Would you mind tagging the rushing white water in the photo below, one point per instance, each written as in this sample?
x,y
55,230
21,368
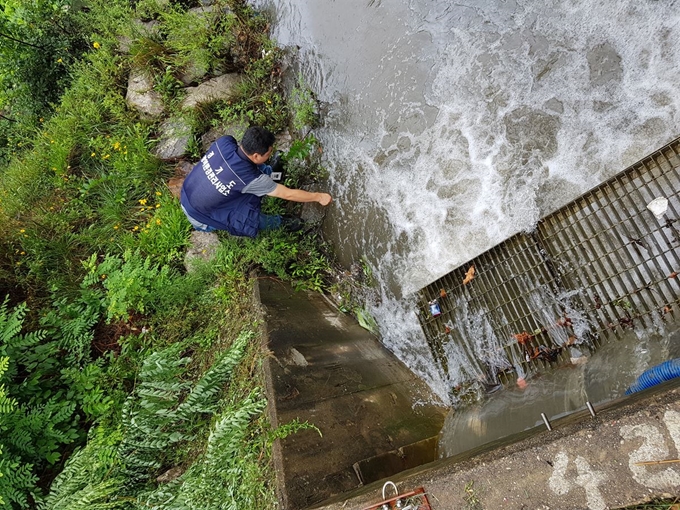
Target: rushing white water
x,y
452,126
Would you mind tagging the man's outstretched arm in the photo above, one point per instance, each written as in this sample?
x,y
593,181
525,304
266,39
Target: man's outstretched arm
x,y
299,195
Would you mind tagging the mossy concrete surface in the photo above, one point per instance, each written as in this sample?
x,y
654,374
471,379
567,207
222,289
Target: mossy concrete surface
x,y
327,370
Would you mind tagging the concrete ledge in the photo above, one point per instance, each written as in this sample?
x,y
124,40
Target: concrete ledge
x,y
583,462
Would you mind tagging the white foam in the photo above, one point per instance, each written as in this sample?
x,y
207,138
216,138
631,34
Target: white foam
x,y
452,127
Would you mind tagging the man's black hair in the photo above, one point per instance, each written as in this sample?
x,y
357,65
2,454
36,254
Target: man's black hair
x,y
257,140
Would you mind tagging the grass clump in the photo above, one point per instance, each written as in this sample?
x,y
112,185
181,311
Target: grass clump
x,y
126,381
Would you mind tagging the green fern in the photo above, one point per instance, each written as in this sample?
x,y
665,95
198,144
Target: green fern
x,y
229,465
160,412
149,414
17,483
72,323
36,421
133,283
86,481
7,404
10,324
202,398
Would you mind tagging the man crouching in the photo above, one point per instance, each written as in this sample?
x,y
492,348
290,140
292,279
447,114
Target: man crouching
x,y
224,190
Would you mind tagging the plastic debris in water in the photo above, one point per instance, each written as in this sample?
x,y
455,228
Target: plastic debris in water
x,y
658,206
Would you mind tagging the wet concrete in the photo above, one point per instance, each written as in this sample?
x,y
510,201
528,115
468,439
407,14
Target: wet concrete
x,y
372,411
327,370
609,461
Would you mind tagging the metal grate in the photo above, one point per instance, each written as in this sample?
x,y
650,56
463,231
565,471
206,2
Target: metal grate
x,y
600,264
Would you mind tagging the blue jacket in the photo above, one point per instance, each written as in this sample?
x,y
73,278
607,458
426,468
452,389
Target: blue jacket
x,y
211,193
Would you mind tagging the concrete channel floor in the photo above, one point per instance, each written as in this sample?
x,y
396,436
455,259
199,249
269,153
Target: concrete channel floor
x,y
327,370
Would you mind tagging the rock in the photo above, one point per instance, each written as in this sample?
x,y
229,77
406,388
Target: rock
x,y
283,141
174,139
175,186
235,129
181,171
141,96
222,87
193,73
141,29
204,10
170,475
203,248
183,168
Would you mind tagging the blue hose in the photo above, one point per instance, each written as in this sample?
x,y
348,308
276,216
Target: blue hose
x,y
663,372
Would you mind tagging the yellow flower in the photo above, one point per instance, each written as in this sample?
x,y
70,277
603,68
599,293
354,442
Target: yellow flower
x,y
158,193
93,154
59,60
23,253
115,227
96,45
106,156
158,222
143,201
103,277
51,141
158,205
136,228
41,119
22,230
116,146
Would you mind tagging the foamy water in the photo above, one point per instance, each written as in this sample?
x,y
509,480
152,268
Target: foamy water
x,y
450,127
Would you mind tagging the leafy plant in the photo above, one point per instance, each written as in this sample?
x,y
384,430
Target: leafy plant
x,y
89,478
197,37
160,413
133,283
302,162
303,106
35,422
226,475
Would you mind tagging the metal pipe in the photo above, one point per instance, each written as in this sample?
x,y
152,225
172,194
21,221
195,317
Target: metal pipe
x,y
545,420
590,408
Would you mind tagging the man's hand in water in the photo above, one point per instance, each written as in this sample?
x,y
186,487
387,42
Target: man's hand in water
x,y
299,195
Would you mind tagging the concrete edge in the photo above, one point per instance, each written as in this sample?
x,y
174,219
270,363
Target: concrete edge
x,y
505,447
277,455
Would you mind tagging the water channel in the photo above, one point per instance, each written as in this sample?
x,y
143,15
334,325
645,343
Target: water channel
x,y
450,126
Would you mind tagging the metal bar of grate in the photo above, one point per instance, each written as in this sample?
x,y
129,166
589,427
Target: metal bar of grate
x,y
599,265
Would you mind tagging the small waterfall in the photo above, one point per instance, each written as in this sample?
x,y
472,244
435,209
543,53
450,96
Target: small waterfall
x,y
450,127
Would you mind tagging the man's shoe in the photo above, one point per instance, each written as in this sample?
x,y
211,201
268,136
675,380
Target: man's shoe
x,y
291,223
